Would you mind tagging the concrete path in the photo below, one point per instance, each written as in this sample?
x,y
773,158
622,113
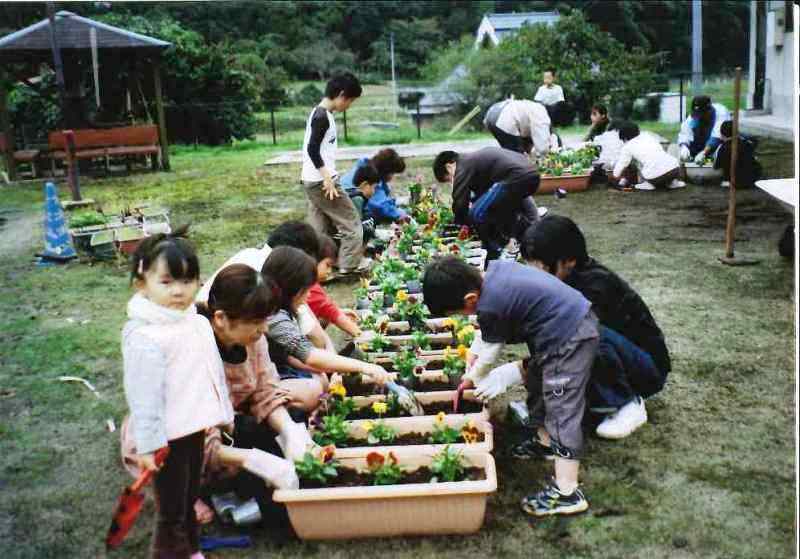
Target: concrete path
x,y
405,150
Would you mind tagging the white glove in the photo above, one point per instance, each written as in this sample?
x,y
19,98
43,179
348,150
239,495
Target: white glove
x,y
700,157
685,153
498,381
277,472
294,440
486,354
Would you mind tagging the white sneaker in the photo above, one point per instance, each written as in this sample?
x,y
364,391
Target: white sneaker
x,y
675,184
542,211
644,186
628,418
725,184
364,266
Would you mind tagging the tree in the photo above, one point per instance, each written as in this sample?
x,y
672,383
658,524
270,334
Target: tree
x,y
413,42
591,65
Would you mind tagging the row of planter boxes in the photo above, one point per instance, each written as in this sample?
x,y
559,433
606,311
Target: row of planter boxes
x,y
411,508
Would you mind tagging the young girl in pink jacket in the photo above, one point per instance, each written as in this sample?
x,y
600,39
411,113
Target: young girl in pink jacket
x,y
174,384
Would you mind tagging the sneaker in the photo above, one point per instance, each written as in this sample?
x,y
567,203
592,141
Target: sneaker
x,y
542,211
532,448
511,252
675,184
363,268
725,184
625,421
644,186
551,500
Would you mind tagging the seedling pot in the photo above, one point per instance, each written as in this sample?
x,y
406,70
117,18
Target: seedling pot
x,y
570,183
418,509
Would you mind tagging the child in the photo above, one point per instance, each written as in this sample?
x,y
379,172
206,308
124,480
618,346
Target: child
x,y
599,118
632,361
700,132
381,206
551,96
519,304
174,385
329,208
364,180
748,169
500,183
295,273
657,168
326,311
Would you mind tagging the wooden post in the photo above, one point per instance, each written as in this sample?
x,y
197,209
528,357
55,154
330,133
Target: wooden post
x,y
162,127
730,229
731,225
73,176
272,118
5,129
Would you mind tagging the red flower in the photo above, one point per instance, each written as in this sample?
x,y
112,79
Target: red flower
x,y
327,454
374,460
463,233
455,249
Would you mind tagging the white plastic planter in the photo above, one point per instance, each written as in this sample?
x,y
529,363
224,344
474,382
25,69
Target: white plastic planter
x,y
428,398
419,509
423,425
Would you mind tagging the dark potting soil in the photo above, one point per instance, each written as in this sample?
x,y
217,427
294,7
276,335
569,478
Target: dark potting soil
x,y
467,406
349,477
407,439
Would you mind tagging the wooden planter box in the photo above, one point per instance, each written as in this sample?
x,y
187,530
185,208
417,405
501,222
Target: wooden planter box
x,y
423,425
402,340
434,324
571,183
425,378
418,509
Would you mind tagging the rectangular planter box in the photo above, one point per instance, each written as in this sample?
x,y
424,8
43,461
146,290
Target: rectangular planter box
x,y
570,183
418,509
402,340
429,398
436,324
422,425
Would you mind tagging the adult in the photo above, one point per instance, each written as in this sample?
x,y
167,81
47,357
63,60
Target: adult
x,y
381,206
700,132
500,183
519,125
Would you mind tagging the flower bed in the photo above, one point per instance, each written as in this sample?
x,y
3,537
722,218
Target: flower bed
x,y
418,507
424,435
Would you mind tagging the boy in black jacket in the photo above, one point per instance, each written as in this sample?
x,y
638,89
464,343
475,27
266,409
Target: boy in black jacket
x,y
748,169
632,360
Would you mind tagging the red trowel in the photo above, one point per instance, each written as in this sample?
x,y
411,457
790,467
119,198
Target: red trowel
x,y
130,503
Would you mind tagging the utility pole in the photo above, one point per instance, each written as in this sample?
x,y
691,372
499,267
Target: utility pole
x,y
59,65
697,46
394,81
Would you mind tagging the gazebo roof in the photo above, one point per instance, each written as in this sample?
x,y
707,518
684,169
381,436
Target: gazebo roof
x,y
74,32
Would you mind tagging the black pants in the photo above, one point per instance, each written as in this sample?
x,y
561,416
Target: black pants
x,y
177,487
509,141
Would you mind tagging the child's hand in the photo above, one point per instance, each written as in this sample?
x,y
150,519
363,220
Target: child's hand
x,y
329,188
351,314
146,462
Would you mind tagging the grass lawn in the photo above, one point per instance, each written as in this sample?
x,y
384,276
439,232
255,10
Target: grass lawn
x,y
711,475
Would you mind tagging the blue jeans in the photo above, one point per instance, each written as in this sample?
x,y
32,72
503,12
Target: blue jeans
x,y
502,212
621,371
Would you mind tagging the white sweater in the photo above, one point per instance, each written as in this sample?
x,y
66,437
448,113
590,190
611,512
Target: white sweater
x,y
174,377
549,95
525,118
645,149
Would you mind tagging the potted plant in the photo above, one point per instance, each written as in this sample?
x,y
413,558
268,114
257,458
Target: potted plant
x,y
406,364
421,500
455,363
411,309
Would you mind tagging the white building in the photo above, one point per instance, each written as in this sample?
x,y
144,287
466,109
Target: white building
x,y
495,27
772,74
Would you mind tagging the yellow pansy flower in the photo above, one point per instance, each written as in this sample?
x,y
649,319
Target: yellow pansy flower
x,y
379,407
440,417
338,390
447,352
368,426
465,331
462,351
401,296
448,323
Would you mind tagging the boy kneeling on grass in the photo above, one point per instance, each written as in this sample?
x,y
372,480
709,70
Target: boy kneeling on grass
x,y
657,168
520,304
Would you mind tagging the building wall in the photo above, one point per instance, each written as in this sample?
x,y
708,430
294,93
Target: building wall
x,y
781,78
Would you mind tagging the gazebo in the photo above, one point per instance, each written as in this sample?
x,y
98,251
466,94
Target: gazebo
x,y
83,43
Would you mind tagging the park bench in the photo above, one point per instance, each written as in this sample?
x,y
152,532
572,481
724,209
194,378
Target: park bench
x,y
127,141
28,156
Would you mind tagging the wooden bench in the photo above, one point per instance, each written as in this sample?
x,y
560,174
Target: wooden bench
x,y
28,156
98,143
